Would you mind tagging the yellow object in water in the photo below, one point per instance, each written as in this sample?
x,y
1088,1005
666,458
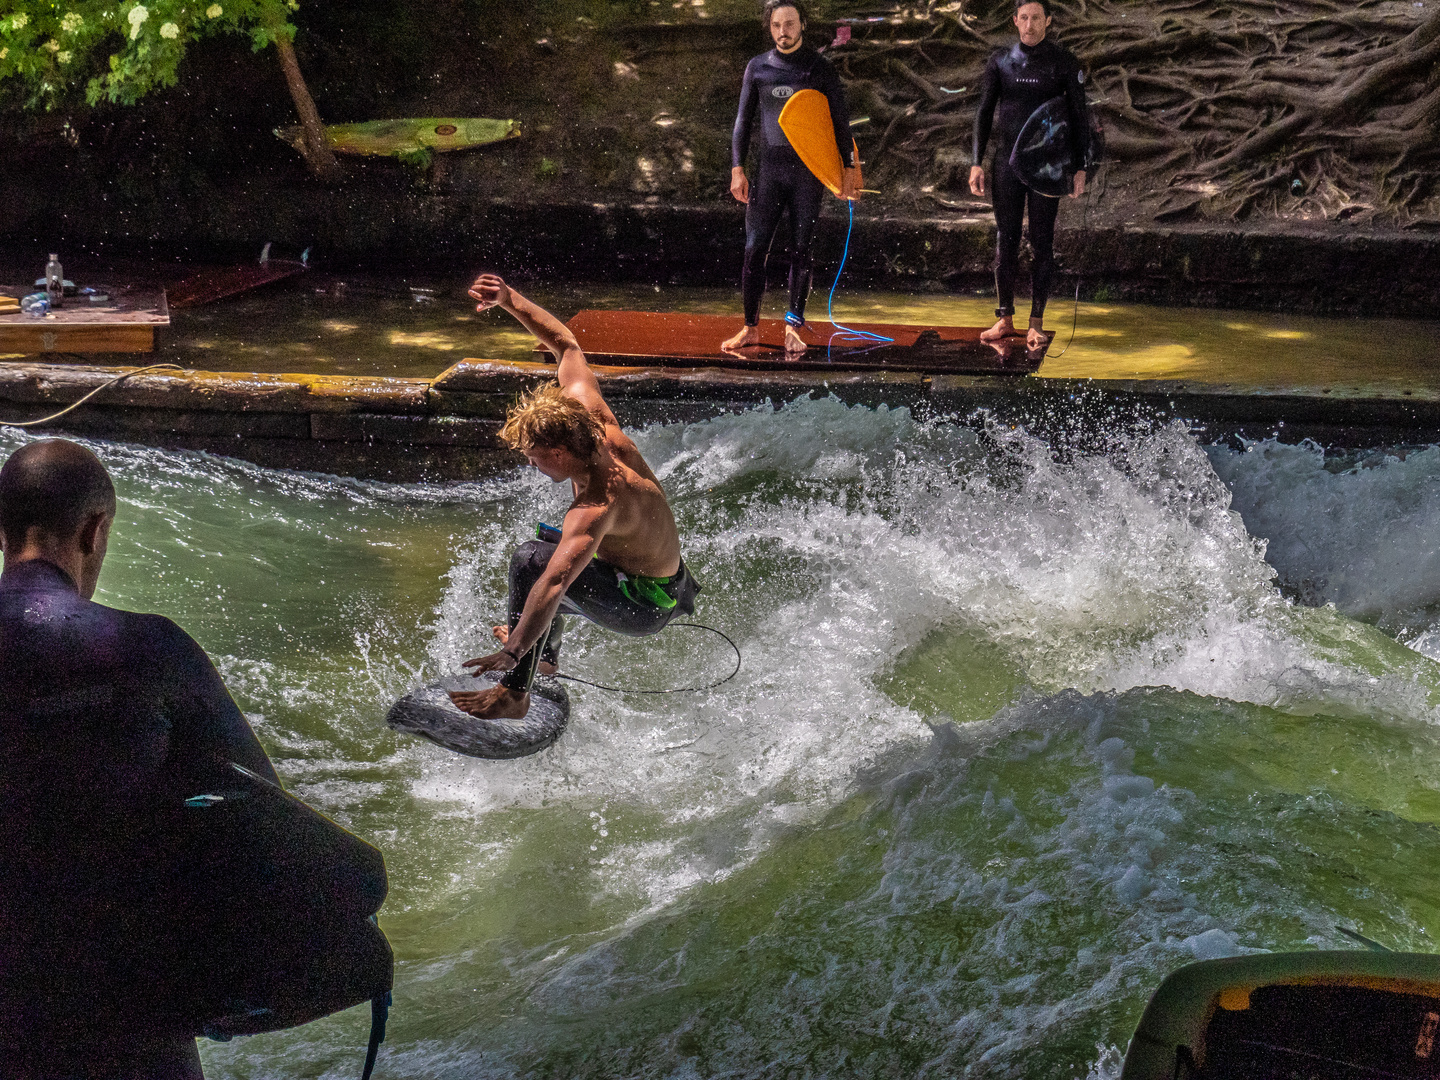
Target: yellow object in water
x,y
806,122
391,138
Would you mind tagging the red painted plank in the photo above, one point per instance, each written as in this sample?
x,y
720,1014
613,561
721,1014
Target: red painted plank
x,y
690,340
217,282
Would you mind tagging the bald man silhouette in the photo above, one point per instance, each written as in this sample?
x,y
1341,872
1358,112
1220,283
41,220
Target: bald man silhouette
x,y
105,717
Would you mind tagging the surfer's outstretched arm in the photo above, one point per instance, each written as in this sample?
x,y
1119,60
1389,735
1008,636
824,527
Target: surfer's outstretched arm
x,y
575,376
583,529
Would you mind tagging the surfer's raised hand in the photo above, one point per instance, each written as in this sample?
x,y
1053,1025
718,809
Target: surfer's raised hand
x,y
977,181
739,184
490,290
1079,185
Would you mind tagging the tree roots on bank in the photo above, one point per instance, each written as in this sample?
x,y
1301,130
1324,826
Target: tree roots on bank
x,y
1217,108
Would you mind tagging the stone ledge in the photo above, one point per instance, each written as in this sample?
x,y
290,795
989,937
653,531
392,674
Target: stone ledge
x,y
446,428
406,430
212,391
488,387
385,462
143,425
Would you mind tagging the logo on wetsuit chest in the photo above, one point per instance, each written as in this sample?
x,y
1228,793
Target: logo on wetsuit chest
x,y
782,92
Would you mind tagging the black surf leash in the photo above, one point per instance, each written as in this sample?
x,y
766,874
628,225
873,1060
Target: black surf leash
x,y
1075,312
1074,319
1372,945
675,690
379,1013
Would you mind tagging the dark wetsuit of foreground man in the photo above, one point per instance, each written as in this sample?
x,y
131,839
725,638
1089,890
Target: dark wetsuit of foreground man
x,y
1016,82
106,719
617,561
783,183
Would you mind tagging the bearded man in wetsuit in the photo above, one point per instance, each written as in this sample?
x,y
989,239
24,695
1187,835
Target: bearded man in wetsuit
x,y
783,182
617,559
1017,81
107,718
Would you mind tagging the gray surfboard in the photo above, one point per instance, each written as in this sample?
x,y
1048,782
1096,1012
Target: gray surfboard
x,y
427,711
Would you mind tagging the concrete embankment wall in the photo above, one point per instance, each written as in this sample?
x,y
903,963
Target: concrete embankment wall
x,y
446,428
1345,273
1359,273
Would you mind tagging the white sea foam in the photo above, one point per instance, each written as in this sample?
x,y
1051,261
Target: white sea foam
x,y
1360,531
832,540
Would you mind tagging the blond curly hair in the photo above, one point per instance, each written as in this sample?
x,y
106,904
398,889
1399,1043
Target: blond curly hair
x,y
548,417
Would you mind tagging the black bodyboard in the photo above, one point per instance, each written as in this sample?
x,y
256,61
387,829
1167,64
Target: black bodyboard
x,y
427,711
271,912
1044,155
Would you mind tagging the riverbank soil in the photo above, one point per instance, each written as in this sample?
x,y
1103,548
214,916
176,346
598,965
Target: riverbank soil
x,y
1255,156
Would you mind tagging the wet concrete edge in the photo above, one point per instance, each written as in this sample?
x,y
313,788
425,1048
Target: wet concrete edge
x,y
407,430
1321,269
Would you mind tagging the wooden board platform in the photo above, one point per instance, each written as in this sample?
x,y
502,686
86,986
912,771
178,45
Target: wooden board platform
x,y
678,339
126,323
213,283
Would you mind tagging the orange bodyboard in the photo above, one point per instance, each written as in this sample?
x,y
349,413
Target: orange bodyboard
x,y
806,122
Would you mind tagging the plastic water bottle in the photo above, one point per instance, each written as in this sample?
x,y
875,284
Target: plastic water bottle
x,y
55,282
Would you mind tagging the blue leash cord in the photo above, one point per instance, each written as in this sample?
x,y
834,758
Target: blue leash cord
x,y
830,300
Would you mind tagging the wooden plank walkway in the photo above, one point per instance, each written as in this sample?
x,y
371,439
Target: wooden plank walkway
x,y
682,339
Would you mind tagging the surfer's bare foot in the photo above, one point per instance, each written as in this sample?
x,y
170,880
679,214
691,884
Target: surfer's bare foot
x,y
794,343
502,634
749,335
1035,336
1004,327
496,703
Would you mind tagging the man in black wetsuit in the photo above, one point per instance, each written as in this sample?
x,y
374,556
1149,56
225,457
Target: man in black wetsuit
x,y
1017,81
783,182
105,717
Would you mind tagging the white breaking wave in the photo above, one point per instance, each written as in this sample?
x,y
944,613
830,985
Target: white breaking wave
x,y
845,549
1361,532
832,540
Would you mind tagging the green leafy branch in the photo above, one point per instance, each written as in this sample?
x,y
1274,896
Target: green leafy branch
x,y
121,50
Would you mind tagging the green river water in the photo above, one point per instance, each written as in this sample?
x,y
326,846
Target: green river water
x,y
1017,733
365,324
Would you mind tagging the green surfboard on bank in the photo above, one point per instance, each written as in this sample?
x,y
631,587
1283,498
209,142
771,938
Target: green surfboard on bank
x,y
394,138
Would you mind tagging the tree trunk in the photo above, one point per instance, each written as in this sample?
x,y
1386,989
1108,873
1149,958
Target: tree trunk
x,y
317,152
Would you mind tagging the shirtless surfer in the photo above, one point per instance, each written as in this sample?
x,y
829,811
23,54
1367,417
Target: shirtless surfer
x,y
1016,82
783,182
617,560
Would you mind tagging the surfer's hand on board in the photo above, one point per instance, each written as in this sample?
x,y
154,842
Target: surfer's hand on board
x,y
850,184
1079,185
500,661
977,180
490,290
739,184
